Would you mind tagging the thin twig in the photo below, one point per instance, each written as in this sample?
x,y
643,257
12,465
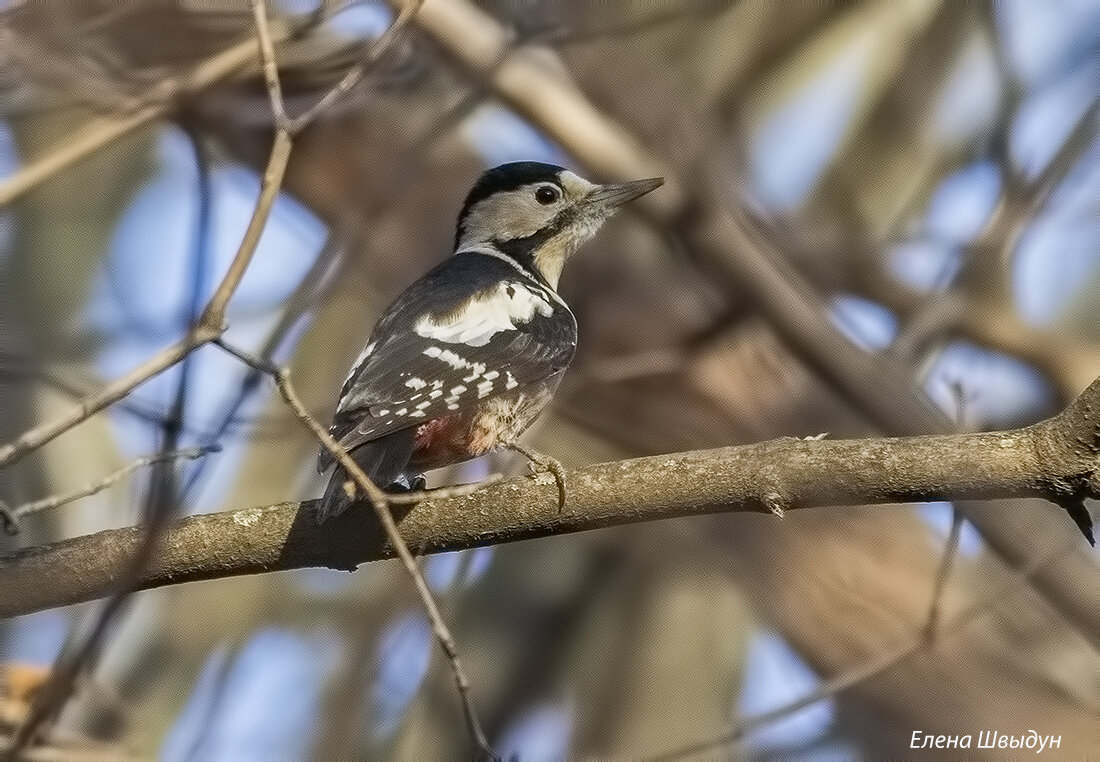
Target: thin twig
x,y
380,502
209,327
378,498
951,547
270,66
943,573
56,501
355,75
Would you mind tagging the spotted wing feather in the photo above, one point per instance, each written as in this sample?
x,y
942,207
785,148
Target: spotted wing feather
x,y
434,356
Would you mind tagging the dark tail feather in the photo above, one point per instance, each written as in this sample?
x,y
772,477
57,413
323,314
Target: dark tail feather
x,y
384,460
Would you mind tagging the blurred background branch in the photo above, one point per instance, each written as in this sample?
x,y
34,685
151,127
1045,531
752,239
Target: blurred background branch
x,y
878,209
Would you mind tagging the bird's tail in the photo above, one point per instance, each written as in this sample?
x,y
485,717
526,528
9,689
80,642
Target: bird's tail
x,y
384,461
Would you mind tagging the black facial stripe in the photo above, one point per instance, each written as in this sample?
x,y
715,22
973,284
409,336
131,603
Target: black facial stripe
x,y
509,177
522,250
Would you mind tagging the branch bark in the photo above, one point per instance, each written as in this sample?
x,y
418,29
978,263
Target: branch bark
x,y
1057,459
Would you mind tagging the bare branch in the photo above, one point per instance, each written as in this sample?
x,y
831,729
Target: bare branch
x,y
943,573
355,75
56,501
209,327
1057,459
102,131
270,67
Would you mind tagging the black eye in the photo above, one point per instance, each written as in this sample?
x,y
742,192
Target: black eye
x,y
547,194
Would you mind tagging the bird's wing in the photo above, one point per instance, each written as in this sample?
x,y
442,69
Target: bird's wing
x,y
431,357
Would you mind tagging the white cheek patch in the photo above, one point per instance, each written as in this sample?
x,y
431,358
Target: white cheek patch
x,y
513,214
506,307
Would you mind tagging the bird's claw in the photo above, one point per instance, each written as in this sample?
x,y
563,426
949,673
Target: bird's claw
x,y
553,467
540,464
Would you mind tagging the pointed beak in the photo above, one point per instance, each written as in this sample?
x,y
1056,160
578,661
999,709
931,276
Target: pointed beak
x,y
610,197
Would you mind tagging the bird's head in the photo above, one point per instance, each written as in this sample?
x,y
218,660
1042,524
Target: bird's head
x,y
540,213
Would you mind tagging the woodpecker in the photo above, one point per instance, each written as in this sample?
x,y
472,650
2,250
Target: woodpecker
x,y
469,355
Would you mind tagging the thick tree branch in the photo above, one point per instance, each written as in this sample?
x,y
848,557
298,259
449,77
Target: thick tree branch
x,y
1057,459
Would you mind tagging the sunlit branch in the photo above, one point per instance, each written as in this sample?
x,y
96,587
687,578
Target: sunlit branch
x,y
1057,459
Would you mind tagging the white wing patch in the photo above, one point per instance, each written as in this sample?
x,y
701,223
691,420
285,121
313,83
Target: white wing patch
x,y
457,362
505,308
477,371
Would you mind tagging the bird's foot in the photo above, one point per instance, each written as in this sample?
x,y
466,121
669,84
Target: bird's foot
x,y
543,464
